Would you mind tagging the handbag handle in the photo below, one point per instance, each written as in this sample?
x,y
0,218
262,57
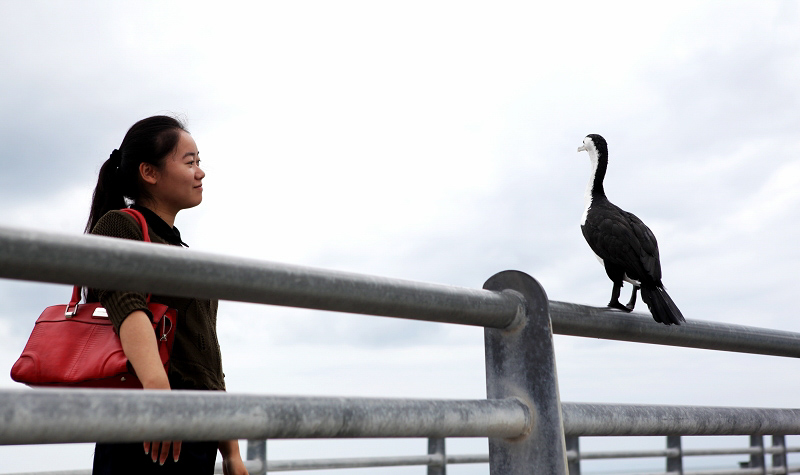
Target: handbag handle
x,y
72,307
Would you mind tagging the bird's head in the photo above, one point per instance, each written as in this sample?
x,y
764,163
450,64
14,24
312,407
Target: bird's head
x,y
597,148
594,144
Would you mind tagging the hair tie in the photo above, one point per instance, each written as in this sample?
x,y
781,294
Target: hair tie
x,y
116,158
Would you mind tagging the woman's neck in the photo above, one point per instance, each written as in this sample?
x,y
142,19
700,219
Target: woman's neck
x,y
167,216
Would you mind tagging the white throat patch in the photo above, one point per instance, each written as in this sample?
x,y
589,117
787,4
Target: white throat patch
x,y
587,196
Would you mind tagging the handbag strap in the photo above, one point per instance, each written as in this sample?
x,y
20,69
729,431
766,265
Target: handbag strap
x,y
72,307
139,217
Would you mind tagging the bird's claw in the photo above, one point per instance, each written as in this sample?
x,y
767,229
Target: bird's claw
x,y
619,306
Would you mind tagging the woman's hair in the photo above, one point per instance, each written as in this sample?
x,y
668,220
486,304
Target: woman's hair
x,y
147,141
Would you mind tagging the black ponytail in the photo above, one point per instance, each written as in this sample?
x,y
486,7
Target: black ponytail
x,y
150,141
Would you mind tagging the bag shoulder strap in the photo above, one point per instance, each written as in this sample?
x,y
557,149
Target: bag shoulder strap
x,y
76,291
139,217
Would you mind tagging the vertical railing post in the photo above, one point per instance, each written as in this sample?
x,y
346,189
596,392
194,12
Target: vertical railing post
x,y
779,458
573,448
757,459
520,362
257,450
436,447
675,462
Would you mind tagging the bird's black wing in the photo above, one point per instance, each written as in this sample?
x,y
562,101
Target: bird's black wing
x,y
623,240
647,248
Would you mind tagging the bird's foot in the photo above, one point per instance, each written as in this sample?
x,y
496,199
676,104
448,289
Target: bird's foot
x,y
632,302
619,306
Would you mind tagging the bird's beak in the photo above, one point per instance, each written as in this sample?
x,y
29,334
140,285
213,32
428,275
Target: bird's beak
x,y
582,148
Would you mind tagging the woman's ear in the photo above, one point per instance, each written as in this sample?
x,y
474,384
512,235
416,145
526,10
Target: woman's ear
x,y
149,173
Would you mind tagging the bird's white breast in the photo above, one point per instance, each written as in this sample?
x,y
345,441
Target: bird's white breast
x,y
587,203
587,195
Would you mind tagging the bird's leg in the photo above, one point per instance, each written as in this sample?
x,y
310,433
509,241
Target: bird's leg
x,y
614,303
632,302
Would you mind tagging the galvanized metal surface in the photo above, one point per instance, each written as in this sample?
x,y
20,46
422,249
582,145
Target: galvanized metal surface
x,y
617,419
478,458
437,449
59,472
746,471
675,457
54,416
321,464
741,451
758,459
112,263
595,322
252,466
520,362
257,452
102,262
573,446
625,454
365,462
779,451
622,454
256,466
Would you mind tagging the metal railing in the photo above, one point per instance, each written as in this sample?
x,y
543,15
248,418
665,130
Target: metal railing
x,y
438,460
527,425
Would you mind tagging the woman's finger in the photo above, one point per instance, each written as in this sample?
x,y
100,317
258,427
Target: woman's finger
x,y
154,447
147,448
176,450
165,446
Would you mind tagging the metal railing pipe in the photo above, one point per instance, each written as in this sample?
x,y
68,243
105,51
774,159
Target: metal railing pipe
x,y
101,262
609,324
466,459
366,462
59,472
257,453
630,454
108,263
359,462
521,363
437,448
616,419
573,455
252,466
49,416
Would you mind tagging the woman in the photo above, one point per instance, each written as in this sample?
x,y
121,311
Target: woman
x,y
157,168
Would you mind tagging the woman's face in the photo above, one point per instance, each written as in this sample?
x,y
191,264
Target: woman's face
x,y
180,182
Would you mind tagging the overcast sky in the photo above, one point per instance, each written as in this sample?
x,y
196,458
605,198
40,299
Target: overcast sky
x,y
432,141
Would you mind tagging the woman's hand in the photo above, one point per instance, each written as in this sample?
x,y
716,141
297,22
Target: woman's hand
x,y
140,346
160,450
234,466
232,463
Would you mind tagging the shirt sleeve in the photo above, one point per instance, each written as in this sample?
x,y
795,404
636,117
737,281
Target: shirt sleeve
x,y
120,304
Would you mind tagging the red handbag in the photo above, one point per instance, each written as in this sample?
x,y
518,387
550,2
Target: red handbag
x,y
76,345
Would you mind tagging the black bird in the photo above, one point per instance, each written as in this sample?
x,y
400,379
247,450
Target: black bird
x,y
622,243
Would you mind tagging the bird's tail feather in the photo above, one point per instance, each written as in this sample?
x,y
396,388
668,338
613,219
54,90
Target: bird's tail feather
x,y
661,306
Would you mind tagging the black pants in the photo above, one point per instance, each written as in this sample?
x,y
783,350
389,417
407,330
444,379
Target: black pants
x,y
197,458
